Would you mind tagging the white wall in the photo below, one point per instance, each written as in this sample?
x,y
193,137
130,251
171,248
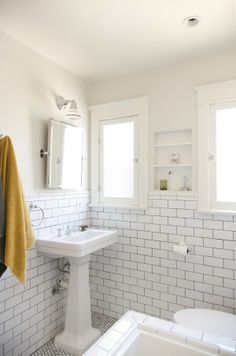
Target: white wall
x,y
170,88
28,85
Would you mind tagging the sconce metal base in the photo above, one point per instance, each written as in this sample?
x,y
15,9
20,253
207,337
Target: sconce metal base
x,y
43,153
61,102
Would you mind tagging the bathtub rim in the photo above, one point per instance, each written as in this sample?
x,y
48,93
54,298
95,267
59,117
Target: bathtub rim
x,y
132,322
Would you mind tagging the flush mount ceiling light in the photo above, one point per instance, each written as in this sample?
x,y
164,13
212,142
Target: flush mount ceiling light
x,y
191,21
70,106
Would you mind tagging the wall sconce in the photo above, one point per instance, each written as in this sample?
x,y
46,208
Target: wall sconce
x,y
70,106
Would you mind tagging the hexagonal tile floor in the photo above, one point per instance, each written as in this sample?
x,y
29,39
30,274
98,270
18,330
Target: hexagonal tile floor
x,y
99,321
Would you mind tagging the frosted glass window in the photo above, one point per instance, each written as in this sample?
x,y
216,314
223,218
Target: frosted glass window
x,y
118,159
72,162
226,155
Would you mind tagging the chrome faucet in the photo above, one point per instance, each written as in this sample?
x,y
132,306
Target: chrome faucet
x,y
67,230
59,230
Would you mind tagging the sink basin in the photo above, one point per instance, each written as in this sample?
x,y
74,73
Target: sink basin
x,y
78,334
77,244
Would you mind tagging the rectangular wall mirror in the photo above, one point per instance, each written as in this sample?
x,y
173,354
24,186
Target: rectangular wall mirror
x,y
65,155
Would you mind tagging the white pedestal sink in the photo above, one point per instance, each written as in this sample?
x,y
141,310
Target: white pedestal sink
x,y
78,334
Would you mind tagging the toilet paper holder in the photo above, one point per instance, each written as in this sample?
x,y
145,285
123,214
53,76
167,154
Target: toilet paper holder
x,y
181,249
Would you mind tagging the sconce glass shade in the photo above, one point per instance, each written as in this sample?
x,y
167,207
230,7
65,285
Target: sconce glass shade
x,y
72,114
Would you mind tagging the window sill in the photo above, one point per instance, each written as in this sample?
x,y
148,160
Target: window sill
x,y
133,207
222,212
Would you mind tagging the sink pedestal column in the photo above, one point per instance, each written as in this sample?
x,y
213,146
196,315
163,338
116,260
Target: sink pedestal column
x,y
78,334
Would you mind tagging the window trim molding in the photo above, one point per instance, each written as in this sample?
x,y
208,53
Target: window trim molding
x,y
208,95
131,107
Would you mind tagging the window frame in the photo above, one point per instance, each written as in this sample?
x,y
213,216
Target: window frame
x,y
209,96
119,110
214,203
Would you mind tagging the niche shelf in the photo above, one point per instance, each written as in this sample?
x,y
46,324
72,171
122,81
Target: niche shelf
x,y
172,165
166,143
173,144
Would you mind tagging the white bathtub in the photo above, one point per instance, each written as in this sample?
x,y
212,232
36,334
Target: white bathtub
x,y
149,344
137,334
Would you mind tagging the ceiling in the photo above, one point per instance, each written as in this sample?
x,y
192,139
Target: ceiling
x,y
98,39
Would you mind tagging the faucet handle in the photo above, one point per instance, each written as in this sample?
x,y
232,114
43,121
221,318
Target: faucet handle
x,y
83,227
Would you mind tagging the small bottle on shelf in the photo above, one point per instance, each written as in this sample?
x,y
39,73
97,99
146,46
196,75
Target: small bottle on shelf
x,y
185,187
163,184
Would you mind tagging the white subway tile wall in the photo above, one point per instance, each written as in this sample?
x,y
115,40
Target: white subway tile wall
x,y
142,273
30,316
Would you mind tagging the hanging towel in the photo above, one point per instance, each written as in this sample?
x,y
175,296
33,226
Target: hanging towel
x,y
2,233
16,234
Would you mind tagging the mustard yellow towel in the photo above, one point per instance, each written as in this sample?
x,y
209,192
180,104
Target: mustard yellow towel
x,y
18,232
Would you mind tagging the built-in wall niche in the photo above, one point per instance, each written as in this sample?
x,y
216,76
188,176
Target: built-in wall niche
x,y
173,160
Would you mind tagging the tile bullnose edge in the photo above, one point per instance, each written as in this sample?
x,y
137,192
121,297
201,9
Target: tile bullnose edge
x,y
117,206
173,195
226,344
